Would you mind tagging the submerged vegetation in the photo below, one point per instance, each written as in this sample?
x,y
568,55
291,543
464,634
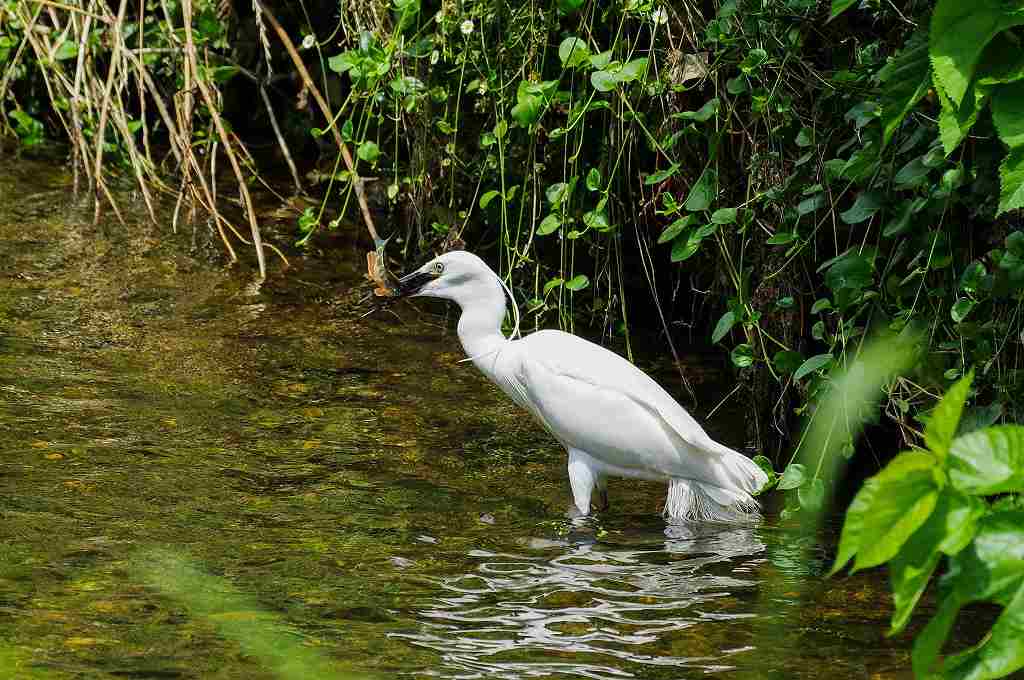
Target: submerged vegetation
x,y
779,179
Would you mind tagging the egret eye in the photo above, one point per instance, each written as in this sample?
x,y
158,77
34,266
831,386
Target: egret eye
x,y
439,268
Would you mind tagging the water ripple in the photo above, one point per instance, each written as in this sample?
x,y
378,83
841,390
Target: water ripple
x,y
593,610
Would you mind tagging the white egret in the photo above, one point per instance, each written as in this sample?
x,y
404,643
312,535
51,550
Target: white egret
x,y
611,417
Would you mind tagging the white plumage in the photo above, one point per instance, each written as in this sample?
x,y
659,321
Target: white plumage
x,y
611,417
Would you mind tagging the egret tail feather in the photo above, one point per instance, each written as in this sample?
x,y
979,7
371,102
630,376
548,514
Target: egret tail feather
x,y
692,501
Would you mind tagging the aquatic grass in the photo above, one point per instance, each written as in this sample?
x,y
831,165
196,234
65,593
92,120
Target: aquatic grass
x,y
261,634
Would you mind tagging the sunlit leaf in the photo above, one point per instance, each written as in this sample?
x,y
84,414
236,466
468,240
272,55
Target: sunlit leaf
x,y
703,191
723,326
988,461
578,282
815,363
793,477
549,225
942,423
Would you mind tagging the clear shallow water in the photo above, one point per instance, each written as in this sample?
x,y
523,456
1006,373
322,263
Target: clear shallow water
x,y
389,508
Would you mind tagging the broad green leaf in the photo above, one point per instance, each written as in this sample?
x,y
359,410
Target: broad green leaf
x,y
944,418
742,355
956,120
887,496
67,50
988,461
676,228
684,247
793,477
702,114
929,641
815,363
573,52
753,60
1011,176
948,530
556,194
593,179
851,270
905,81
809,205
782,238
724,216
488,196
840,6
1001,652
633,70
1008,113
812,496
961,309
597,219
570,6
959,33
723,326
578,282
864,208
552,284
603,81
703,191
912,174
661,175
549,225
368,151
805,137
901,222
601,59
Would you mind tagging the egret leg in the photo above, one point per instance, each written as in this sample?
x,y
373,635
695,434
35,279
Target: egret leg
x,y
583,477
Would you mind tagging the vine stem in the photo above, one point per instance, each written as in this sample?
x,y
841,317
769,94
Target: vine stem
x,y
357,182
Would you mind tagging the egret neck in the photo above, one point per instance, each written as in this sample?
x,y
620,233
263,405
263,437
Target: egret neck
x,y
483,311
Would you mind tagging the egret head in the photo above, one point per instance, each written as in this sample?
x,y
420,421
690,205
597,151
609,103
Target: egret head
x,y
463,278
457,275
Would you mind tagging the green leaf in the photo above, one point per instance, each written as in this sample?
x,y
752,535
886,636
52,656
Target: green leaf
x,y
959,33
489,196
849,271
1001,653
945,417
368,151
988,461
949,529
593,180
787,361
684,247
1008,113
703,191
578,282
961,309
702,114
1011,175
956,120
809,205
67,50
840,6
724,216
549,225
723,326
812,496
793,477
815,363
753,60
805,137
742,355
867,204
676,228
556,194
633,70
887,510
782,238
597,219
661,175
573,52
601,60
905,81
570,6
603,81
901,222
912,174
552,284
821,305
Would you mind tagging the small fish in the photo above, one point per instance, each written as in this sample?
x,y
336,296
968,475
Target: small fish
x,y
376,271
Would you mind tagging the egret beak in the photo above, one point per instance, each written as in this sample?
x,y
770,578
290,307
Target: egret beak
x,y
410,284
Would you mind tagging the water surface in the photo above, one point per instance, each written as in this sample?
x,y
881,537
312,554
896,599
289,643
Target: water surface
x,y
351,477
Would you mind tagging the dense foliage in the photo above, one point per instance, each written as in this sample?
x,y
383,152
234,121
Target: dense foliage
x,y
957,500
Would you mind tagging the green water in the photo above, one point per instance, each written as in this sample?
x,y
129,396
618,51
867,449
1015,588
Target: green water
x,y
378,500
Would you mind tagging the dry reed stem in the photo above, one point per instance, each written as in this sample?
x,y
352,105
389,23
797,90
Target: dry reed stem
x,y
211,105
346,156
115,58
280,139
